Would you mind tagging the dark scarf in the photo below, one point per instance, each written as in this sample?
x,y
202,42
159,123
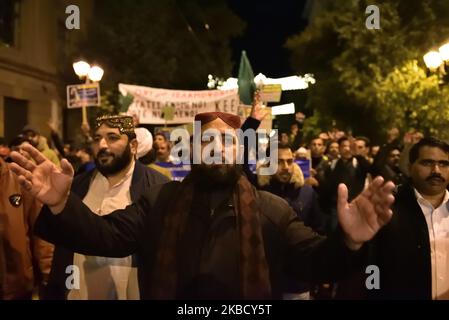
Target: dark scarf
x,y
254,271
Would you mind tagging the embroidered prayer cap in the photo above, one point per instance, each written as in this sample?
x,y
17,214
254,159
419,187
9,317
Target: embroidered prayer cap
x,y
229,118
123,123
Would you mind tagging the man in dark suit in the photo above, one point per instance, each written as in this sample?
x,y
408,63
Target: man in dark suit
x,y
411,251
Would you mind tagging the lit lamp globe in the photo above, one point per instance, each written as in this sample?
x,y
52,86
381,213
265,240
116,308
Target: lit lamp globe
x,y
96,73
444,52
433,60
81,68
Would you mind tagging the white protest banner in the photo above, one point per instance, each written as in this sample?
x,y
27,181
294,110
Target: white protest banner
x,y
148,103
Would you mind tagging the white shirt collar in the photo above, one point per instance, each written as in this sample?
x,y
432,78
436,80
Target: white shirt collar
x,y
423,201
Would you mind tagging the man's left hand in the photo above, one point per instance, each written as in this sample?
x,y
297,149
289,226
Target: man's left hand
x,y
367,213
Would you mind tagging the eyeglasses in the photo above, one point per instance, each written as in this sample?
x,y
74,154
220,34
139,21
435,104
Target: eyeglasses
x,y
442,164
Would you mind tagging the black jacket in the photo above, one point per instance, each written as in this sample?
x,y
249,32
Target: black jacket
x,y
143,177
401,250
208,260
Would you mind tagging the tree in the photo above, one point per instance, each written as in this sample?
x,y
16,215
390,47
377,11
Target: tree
x,y
167,44
367,79
408,96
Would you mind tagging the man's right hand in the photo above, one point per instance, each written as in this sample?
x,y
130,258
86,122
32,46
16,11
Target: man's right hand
x,y
258,111
43,179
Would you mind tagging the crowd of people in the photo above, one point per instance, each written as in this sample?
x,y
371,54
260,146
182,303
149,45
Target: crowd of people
x,y
106,205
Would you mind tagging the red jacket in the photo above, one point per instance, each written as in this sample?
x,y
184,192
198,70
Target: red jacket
x,y
26,258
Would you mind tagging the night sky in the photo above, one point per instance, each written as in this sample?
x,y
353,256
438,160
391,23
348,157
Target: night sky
x,y
269,24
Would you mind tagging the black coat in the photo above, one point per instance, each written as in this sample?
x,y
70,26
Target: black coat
x,y
208,250
143,177
401,250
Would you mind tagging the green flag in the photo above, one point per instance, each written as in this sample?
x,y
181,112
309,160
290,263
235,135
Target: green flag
x,y
125,101
247,87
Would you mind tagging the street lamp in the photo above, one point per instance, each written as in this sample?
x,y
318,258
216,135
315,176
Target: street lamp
x,y
89,73
433,60
438,62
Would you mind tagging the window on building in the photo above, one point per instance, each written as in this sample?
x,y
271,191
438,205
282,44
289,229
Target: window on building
x,y
15,116
8,15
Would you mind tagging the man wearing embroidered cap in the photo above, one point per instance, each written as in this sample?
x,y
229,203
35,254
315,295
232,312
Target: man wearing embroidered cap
x,y
211,236
117,181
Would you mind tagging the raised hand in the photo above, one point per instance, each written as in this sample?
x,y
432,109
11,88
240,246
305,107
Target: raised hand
x,y
367,213
53,125
43,179
258,111
299,116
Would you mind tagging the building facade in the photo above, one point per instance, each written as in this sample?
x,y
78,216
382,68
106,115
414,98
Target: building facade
x,y
33,40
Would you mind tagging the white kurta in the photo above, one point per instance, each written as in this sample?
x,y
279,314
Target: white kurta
x,y
106,278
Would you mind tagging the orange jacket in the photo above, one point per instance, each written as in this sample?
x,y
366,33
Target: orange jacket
x,y
27,259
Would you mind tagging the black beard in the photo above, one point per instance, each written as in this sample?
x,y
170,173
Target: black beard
x,y
209,177
117,164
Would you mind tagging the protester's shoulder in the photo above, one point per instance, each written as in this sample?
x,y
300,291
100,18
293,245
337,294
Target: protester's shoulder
x,y
83,176
404,194
273,207
49,153
8,179
307,189
162,192
153,176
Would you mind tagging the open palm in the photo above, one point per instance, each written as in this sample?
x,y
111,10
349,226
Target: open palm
x,y
367,213
258,111
43,179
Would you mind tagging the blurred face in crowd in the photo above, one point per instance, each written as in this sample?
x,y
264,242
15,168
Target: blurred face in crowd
x,y
430,172
393,158
345,150
374,151
159,139
392,134
215,176
417,137
112,150
285,165
302,154
339,134
4,151
163,152
294,129
323,136
361,149
32,137
83,156
317,147
334,150
284,138
19,149
67,148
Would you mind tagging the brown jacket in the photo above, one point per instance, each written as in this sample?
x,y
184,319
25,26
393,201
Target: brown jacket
x,y
27,259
